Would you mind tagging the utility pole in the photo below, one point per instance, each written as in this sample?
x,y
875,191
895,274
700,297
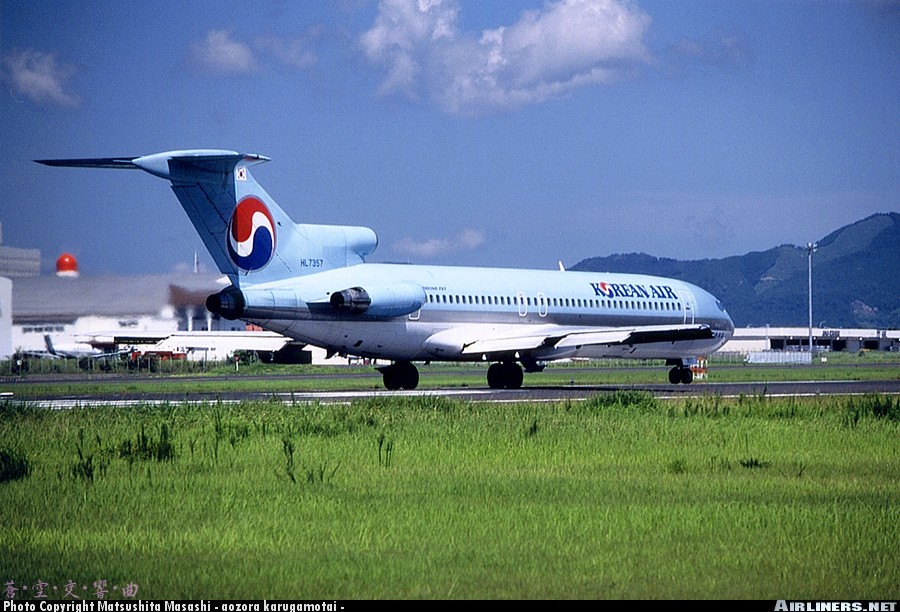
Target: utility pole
x,y
810,249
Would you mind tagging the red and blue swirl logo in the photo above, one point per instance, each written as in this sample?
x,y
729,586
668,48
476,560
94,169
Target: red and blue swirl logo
x,y
251,234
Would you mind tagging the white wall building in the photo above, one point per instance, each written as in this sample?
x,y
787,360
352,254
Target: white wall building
x,y
5,318
100,309
755,339
153,313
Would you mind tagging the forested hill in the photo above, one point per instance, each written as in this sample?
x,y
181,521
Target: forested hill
x,y
856,278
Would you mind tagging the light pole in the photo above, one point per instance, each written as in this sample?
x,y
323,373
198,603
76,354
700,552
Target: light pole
x,y
810,249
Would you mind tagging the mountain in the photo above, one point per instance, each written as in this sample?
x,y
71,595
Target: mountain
x,y
856,278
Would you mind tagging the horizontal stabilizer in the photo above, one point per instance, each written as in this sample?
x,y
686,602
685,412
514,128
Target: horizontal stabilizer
x,y
126,163
178,166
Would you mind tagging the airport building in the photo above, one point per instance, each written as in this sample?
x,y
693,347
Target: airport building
x,y
162,315
791,344
5,317
16,262
108,311
754,339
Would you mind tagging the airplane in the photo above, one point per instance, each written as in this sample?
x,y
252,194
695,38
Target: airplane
x,y
312,283
79,350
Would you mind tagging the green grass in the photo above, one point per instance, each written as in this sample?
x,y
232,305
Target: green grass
x,y
621,496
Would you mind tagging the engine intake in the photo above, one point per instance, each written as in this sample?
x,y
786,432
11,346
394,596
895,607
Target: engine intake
x,y
351,301
228,303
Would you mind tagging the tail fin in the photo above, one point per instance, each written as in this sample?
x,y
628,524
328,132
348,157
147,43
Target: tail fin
x,y
49,343
249,236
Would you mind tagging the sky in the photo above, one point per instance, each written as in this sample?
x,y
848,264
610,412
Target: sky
x,y
513,133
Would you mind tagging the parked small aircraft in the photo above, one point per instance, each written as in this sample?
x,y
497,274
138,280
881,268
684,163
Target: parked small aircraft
x,y
311,283
79,350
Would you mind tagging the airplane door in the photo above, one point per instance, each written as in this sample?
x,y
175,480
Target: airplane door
x,y
522,304
687,303
542,304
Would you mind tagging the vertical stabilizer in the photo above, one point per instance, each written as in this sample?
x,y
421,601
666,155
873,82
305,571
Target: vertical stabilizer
x,y
250,238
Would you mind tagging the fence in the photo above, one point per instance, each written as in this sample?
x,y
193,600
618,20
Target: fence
x,y
18,366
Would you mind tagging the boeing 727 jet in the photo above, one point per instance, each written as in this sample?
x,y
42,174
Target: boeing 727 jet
x,y
311,283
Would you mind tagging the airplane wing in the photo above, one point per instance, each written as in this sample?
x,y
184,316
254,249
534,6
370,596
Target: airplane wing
x,y
555,337
637,335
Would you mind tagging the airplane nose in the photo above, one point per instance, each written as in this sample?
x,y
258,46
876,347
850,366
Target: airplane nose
x,y
722,321
727,323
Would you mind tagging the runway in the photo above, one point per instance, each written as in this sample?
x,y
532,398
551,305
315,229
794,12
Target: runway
x,y
541,394
661,391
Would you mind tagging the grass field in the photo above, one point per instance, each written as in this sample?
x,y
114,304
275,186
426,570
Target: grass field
x,y
620,496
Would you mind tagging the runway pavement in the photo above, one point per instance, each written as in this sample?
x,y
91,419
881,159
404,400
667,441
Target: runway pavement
x,y
525,394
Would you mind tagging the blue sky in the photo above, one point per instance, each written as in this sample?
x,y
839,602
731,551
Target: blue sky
x,y
513,133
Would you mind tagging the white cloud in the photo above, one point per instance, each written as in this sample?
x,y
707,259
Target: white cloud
x,y
725,50
291,52
39,77
218,53
467,240
566,45
221,53
403,34
470,239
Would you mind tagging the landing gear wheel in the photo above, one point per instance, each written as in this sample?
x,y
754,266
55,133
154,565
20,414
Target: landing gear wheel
x,y
514,376
390,378
495,376
400,375
507,375
681,374
674,376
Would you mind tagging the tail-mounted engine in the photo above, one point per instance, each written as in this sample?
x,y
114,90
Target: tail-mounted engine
x,y
394,300
379,301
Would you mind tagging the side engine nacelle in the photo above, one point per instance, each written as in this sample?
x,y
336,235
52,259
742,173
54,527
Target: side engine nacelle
x,y
393,300
257,304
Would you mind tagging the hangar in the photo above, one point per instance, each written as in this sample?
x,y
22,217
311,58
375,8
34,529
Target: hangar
x,y
158,314
796,339
109,311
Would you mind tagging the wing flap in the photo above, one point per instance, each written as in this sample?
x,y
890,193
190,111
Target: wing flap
x,y
489,340
636,335
503,345
560,338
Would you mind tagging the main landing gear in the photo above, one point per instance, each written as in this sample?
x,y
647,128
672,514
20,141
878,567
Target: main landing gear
x,y
501,375
399,375
681,374
404,375
505,375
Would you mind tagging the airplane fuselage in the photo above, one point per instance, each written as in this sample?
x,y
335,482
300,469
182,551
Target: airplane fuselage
x,y
491,303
